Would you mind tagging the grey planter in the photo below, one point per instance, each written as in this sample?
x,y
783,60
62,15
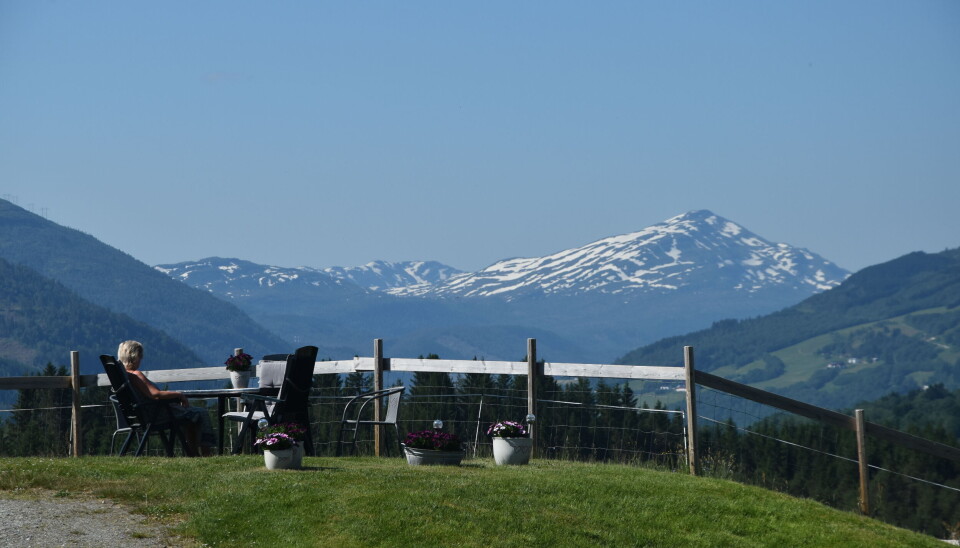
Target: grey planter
x,y
426,457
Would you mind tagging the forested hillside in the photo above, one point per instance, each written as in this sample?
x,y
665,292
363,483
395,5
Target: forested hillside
x,y
107,277
888,328
41,321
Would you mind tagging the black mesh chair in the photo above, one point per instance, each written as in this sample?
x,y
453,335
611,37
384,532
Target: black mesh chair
x,y
123,427
353,419
291,405
143,416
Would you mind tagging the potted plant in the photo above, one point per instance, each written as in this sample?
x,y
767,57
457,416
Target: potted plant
x,y
239,366
432,447
295,431
277,449
511,442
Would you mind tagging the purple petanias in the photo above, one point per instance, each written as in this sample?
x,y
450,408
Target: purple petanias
x,y
507,429
275,441
432,439
240,362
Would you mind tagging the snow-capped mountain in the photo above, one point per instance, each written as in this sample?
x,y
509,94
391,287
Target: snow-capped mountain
x,y
236,278
593,302
697,250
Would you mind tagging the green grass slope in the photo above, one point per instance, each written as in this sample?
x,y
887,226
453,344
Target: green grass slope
x,y
889,328
235,501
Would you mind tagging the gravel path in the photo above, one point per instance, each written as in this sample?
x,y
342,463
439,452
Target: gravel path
x,y
42,520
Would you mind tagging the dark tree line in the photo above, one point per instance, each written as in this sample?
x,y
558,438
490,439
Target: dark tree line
x,y
39,424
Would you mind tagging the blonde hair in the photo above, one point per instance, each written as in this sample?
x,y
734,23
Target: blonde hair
x,y
129,352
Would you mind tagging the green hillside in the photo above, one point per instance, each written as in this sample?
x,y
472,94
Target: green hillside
x,y
41,321
107,277
888,328
360,501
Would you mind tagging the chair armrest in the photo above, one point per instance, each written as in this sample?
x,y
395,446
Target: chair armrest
x,y
261,397
346,408
367,397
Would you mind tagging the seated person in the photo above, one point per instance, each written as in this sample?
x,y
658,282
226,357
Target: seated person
x,y
199,433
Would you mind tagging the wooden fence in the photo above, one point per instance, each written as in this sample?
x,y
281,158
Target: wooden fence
x,y
533,370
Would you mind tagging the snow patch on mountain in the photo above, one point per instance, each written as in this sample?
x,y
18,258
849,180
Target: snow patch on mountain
x,y
682,252
236,278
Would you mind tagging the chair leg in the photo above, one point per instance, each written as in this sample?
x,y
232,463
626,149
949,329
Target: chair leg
x,y
242,433
143,442
340,440
356,432
176,433
309,449
125,446
238,440
167,442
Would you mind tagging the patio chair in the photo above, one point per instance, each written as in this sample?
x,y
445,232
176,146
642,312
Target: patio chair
x,y
270,371
290,405
355,407
144,417
123,427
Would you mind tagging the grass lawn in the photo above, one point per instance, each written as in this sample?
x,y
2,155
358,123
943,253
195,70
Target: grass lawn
x,y
362,501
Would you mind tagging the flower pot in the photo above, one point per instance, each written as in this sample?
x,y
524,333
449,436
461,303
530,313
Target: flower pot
x,y
512,450
240,379
425,457
279,459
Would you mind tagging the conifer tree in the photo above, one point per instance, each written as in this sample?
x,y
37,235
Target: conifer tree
x,y
41,424
431,397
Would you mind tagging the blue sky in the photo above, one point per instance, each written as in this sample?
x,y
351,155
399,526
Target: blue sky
x,y
333,134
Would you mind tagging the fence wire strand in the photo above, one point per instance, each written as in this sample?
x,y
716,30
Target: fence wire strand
x,y
728,406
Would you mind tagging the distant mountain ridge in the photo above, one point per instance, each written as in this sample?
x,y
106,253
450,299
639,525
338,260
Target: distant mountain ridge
x,y
689,251
603,297
237,278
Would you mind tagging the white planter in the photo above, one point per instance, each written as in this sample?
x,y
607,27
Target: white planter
x,y
426,457
278,460
512,450
240,379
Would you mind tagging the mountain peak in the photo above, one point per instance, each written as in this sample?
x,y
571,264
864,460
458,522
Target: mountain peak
x,y
692,251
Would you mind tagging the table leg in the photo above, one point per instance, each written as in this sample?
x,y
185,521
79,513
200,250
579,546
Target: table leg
x,y
220,400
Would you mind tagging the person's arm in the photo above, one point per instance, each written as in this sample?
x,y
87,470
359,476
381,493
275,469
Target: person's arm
x,y
150,390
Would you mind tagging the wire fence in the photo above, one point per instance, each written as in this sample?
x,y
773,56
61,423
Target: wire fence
x,y
578,420
574,430
567,429
753,443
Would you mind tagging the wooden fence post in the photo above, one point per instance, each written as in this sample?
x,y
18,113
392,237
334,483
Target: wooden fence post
x,y
75,423
691,410
862,458
377,403
532,374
